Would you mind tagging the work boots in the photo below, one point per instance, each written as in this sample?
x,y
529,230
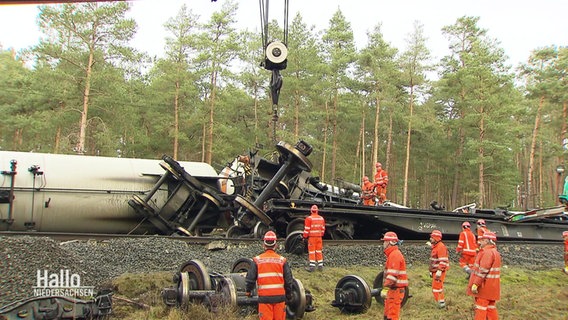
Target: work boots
x,y
310,268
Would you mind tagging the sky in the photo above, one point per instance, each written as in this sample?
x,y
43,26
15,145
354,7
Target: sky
x,y
520,26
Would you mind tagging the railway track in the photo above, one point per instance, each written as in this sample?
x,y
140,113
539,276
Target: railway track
x,y
63,236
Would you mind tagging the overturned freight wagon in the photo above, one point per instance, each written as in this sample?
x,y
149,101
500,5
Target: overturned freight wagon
x,y
254,194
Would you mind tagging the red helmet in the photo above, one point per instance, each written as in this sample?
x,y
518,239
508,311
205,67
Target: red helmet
x,y
378,164
269,239
390,236
466,225
436,235
314,209
564,234
481,222
489,235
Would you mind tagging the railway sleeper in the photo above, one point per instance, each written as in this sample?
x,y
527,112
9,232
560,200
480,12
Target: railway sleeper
x,y
194,284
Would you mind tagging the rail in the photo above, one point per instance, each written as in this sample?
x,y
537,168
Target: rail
x,y
59,236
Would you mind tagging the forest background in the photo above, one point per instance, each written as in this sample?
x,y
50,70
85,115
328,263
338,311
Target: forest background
x,y
481,132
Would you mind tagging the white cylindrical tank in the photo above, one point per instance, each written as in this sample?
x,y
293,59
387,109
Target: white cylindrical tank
x,y
73,193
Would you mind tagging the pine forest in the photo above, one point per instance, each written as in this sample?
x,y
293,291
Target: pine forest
x,y
465,128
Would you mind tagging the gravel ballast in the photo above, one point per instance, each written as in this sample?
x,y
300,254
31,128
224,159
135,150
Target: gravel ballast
x,y
98,262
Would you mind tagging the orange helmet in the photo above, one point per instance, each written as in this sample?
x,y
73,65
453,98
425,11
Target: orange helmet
x,y
436,235
314,209
269,239
466,225
390,236
481,222
489,235
378,164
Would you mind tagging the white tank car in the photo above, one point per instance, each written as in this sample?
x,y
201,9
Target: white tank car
x,y
73,193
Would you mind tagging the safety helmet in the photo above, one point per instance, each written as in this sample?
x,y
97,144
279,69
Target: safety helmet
x,y
489,235
481,222
365,179
466,225
564,234
269,239
436,235
390,236
314,209
378,164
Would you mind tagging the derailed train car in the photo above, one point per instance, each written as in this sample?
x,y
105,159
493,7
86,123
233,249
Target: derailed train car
x,y
73,193
62,193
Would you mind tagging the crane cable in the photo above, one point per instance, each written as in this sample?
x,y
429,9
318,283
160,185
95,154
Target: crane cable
x,y
275,60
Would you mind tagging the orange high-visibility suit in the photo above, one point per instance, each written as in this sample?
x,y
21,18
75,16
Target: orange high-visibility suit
x,y
396,279
487,276
314,229
467,248
274,279
368,192
381,182
480,231
439,261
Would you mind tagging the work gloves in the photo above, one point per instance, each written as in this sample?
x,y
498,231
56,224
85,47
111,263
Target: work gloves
x,y
438,274
384,292
474,289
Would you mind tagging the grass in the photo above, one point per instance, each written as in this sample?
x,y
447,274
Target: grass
x,y
525,294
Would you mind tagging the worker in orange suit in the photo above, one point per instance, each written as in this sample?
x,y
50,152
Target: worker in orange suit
x,y
467,248
439,265
381,182
485,281
368,191
565,236
273,277
314,229
395,279
480,229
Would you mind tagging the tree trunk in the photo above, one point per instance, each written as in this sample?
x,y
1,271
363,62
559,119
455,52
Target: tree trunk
x,y
296,115
407,160
481,156
361,148
392,182
458,167
176,121
255,113
209,154
376,131
203,141
86,92
532,152
334,137
326,126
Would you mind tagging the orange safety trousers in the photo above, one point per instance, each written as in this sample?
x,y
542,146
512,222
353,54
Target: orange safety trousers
x,y
272,311
315,253
393,303
485,309
467,260
438,286
382,193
